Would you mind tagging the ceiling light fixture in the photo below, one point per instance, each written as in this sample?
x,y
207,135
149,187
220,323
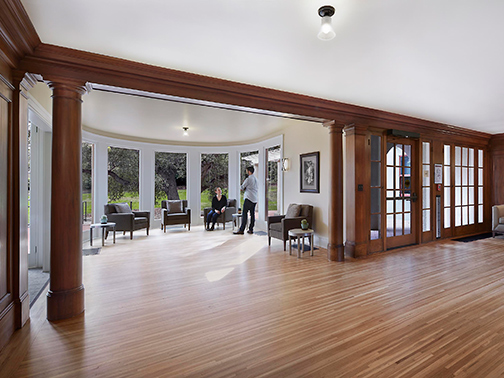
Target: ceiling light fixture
x,y
185,128
326,32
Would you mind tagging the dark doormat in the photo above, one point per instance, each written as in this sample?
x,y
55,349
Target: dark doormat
x,y
468,239
260,233
90,251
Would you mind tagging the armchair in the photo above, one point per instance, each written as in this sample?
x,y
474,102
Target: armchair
x,y
279,225
175,212
497,220
127,219
227,216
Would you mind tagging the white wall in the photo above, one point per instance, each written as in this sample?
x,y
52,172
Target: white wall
x,y
301,139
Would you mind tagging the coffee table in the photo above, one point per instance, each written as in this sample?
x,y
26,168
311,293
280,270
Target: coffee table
x,y
300,234
104,227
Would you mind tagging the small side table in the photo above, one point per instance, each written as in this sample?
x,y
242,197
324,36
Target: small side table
x,y
104,227
300,234
236,220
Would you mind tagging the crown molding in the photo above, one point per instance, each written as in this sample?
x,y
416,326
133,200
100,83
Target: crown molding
x,y
68,64
18,36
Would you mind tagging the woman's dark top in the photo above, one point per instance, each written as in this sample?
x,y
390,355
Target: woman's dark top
x,y
218,205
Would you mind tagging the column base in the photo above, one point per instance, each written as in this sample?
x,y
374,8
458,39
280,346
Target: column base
x,y
65,304
335,252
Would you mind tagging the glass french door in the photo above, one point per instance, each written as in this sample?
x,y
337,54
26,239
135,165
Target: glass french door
x,y
400,193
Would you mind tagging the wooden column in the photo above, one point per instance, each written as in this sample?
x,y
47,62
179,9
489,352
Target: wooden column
x,y
497,170
65,297
335,251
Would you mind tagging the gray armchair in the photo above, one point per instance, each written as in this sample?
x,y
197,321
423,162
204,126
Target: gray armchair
x,y
279,225
127,219
231,209
175,212
497,220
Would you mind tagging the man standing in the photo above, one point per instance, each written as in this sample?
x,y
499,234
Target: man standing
x,y
250,200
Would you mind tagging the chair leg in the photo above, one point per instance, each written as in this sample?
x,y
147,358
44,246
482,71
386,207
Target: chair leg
x,y
493,234
224,225
147,231
269,240
165,228
131,235
285,245
188,226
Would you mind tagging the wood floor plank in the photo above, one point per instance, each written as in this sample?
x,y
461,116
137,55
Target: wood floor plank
x,y
201,304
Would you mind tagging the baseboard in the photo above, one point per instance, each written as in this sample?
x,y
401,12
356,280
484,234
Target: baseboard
x,y
7,324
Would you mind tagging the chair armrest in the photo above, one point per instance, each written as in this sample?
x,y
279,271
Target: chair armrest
x,y
123,221
141,213
275,219
290,223
188,212
228,214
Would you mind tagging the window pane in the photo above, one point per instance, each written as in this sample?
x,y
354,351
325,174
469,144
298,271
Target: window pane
x,y
375,200
426,220
375,226
480,158
471,176
375,173
458,216
480,214
273,195
447,176
407,205
390,177
425,152
458,155
458,196
214,173
407,155
426,175
447,154
471,195
447,218
407,223
471,214
390,153
123,170
170,178
464,195
375,147
480,195
480,176
398,225
390,206
464,176
458,176
390,225
399,204
399,154
426,198
447,197
471,157
465,218
87,185
464,156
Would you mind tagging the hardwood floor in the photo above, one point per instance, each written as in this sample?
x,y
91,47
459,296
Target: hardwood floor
x,y
204,304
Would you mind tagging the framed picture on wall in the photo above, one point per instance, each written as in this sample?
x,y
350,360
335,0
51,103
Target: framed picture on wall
x,y
310,172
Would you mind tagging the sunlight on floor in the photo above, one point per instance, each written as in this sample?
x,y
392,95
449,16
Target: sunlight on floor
x,y
216,275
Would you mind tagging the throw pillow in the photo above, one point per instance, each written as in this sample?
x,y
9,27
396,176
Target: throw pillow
x,y
293,211
122,208
175,206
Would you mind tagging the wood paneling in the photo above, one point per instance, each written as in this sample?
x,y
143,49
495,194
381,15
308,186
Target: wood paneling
x,y
200,305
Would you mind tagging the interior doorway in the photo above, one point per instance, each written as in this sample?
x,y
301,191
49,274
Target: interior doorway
x,y
401,196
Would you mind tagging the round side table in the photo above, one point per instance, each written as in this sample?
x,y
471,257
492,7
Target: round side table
x,y
300,234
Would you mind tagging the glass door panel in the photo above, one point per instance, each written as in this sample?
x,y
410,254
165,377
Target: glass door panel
x,y
400,193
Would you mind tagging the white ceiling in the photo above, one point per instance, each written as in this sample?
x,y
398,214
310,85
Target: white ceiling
x,y
432,59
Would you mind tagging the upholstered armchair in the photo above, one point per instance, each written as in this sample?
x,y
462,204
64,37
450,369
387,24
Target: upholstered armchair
x,y
497,219
227,216
279,225
127,219
175,212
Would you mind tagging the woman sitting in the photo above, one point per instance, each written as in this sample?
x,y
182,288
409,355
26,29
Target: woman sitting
x,y
219,203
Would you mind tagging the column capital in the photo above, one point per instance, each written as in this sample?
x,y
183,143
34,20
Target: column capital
x,y
334,126
67,87
355,129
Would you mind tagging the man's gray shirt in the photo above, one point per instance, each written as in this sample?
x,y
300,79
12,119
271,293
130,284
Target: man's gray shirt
x,y
250,188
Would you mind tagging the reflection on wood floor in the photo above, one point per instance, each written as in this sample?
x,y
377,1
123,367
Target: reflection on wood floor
x,y
210,304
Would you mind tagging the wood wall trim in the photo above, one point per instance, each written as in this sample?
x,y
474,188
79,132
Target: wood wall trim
x,y
55,62
17,33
